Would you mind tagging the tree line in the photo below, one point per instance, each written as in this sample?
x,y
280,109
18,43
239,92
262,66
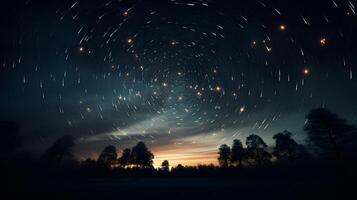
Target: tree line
x,y
60,155
139,157
255,153
326,134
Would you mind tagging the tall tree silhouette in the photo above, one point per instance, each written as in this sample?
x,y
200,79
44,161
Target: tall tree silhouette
x,y
107,157
286,149
124,160
224,155
237,152
256,149
141,156
10,139
325,129
165,165
60,154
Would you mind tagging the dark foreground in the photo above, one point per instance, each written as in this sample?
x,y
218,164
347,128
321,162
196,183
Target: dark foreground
x,y
299,182
184,188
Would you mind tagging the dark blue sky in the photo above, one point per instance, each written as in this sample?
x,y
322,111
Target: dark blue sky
x,y
183,76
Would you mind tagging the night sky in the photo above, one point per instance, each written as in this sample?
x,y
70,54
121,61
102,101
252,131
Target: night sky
x,y
182,76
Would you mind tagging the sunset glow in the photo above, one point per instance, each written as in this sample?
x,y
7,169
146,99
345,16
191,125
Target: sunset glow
x,y
185,155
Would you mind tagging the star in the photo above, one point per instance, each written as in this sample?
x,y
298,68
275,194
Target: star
x,y
323,41
242,109
218,88
125,13
282,27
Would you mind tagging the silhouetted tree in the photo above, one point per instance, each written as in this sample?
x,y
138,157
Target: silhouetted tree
x,y
124,160
325,129
256,149
60,154
141,156
107,157
165,165
10,140
237,152
179,167
224,155
88,164
286,149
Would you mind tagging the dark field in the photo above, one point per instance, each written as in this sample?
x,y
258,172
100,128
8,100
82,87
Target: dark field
x,y
271,183
183,188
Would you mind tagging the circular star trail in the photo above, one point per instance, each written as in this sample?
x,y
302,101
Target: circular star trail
x,y
184,76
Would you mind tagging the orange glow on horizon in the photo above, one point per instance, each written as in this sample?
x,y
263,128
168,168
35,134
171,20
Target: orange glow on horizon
x,y
186,154
186,159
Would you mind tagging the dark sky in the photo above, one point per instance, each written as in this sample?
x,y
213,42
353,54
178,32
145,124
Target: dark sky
x,y
183,76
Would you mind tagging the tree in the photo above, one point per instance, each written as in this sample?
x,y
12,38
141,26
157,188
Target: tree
x,y
88,164
237,152
224,155
165,165
60,154
286,149
141,156
124,160
256,149
180,167
325,130
107,157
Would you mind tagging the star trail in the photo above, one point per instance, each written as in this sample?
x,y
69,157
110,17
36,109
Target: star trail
x,y
183,76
